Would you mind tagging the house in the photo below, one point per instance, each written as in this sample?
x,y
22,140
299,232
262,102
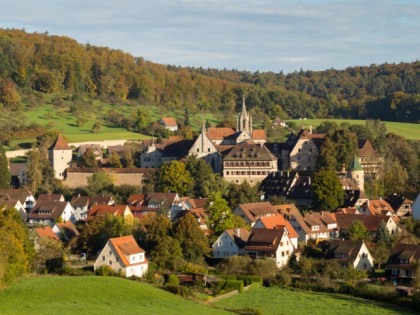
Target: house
x,y
25,197
401,205
194,203
377,207
230,243
248,161
402,261
43,232
114,210
277,122
349,210
19,173
95,148
311,226
199,215
169,123
348,253
65,230
123,255
416,208
48,212
371,222
8,204
301,151
50,197
60,156
82,204
169,202
251,212
276,222
270,244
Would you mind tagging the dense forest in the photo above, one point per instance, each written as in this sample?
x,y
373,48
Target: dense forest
x,y
33,64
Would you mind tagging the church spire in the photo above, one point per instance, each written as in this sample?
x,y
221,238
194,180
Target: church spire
x,y
243,105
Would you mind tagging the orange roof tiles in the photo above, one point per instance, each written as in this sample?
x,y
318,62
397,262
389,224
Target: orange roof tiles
x,y
278,220
126,246
259,134
169,121
46,231
59,144
219,133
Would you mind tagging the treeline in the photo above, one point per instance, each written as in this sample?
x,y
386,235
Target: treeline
x,y
32,64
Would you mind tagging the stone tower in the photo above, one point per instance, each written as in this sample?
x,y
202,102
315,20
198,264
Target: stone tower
x,y
60,155
244,120
355,172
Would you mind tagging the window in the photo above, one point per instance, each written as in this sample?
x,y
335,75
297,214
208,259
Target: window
x,y
103,258
198,149
110,252
208,150
110,262
117,259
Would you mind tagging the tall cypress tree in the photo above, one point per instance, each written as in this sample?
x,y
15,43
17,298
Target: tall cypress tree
x,y
5,177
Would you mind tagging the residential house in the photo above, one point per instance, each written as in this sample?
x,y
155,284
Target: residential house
x,y
251,212
48,212
65,230
50,198
276,222
115,210
122,254
60,156
311,226
43,232
377,207
19,173
194,203
230,243
9,204
348,253
250,162
371,222
277,122
156,202
271,244
169,123
25,197
402,261
401,205
95,148
82,204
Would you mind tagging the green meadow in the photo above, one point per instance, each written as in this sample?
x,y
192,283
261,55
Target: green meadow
x,y
286,302
93,295
409,131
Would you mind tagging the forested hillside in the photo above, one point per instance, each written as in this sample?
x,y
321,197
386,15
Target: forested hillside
x,y
34,64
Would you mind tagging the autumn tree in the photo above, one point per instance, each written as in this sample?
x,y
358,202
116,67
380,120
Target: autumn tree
x,y
88,159
140,121
326,190
243,193
99,182
173,176
115,160
191,237
5,177
49,254
41,176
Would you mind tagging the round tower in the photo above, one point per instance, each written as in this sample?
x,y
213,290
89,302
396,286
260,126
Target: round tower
x,y
356,173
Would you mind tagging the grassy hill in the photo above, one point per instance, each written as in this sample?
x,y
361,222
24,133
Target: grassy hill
x,y
93,295
282,301
407,130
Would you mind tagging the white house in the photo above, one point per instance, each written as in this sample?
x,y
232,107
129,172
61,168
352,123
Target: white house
x,y
276,222
348,253
122,254
49,212
270,244
230,243
169,123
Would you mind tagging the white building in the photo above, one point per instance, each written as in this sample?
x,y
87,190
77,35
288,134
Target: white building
x,y
60,155
230,243
122,254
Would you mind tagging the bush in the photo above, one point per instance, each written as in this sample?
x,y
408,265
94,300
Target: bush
x,y
225,286
106,271
172,280
178,289
69,271
283,278
250,279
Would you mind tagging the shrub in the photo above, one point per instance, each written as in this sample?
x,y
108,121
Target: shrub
x,y
225,286
178,289
172,280
250,279
283,278
69,271
106,271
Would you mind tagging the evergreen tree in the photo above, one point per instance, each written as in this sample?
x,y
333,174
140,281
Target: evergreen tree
x,y
5,178
326,190
383,237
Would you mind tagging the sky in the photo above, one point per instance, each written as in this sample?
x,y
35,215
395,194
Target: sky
x,y
253,35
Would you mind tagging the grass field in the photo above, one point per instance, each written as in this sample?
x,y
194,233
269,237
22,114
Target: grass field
x,y
409,131
93,295
282,301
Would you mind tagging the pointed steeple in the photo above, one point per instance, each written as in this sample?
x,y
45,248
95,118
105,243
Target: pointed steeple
x,y
59,144
355,164
243,105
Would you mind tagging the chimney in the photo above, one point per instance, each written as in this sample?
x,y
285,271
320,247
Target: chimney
x,y
310,129
238,232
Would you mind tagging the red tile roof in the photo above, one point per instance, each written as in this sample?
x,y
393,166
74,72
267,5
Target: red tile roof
x,y
219,133
169,122
46,231
126,246
59,144
259,134
256,210
278,220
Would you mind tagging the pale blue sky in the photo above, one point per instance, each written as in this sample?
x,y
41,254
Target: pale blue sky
x,y
250,35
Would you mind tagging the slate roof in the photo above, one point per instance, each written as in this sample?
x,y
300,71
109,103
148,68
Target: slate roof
x,y
15,194
256,210
371,222
250,151
59,144
350,249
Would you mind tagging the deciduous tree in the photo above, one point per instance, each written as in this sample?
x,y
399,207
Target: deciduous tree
x,y
327,191
5,177
173,176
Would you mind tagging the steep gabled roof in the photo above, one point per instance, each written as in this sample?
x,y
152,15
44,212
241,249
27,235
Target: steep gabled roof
x,y
59,144
126,246
365,148
219,133
250,151
264,239
397,201
48,210
355,164
255,210
371,222
14,194
49,197
68,229
348,249
403,252
276,221
46,231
